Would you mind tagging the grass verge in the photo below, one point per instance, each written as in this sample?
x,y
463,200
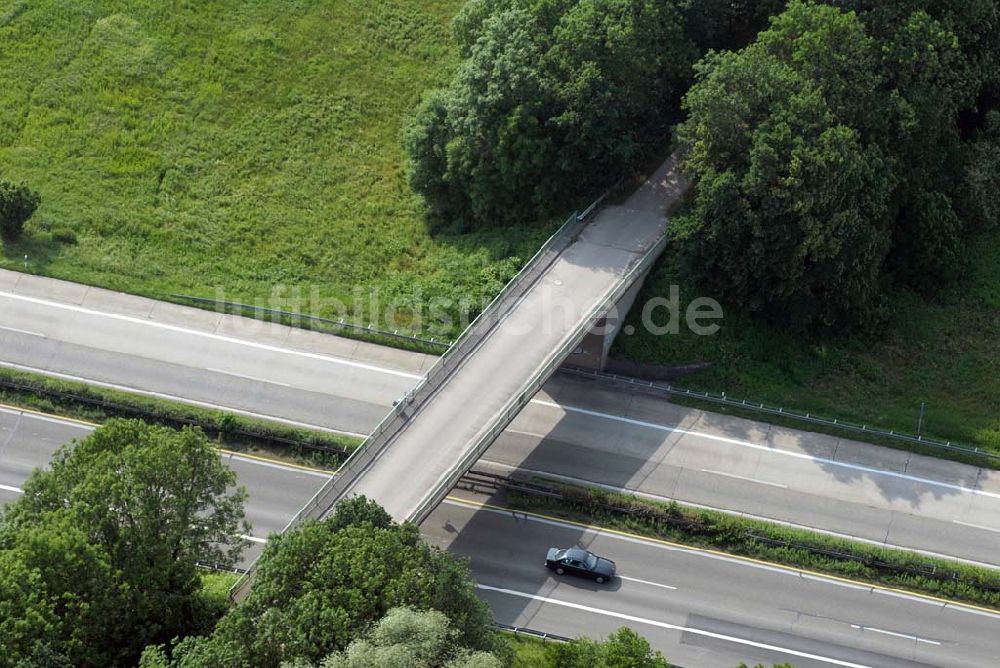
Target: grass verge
x,y
212,600
97,404
252,147
942,353
769,542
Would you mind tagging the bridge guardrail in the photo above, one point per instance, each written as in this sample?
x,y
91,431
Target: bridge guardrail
x,y
456,353
517,402
433,379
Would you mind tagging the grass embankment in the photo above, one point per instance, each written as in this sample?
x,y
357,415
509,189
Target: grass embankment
x,y
97,404
942,352
774,543
249,146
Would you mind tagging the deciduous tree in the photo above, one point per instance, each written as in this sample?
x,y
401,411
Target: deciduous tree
x,y
554,100
791,217
407,638
321,586
623,649
114,530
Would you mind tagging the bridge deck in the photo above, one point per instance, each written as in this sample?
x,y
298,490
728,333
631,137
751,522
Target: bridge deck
x,y
553,312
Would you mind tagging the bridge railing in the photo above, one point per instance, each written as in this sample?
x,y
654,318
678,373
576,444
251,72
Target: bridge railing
x,y
457,352
395,420
531,387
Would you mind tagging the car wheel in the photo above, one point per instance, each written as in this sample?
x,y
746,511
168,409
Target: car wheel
x,y
559,571
599,580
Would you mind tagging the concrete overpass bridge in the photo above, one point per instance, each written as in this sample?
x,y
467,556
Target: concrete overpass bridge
x,y
443,425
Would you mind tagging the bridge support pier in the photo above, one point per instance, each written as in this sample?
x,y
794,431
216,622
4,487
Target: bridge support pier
x,y
592,353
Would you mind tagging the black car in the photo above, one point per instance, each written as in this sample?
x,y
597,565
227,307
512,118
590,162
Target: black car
x,y
575,561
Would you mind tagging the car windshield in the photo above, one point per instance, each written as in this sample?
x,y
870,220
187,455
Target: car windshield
x,y
591,562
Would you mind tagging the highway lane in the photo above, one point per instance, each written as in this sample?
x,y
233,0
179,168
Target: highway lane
x,y
700,609
237,363
575,428
706,609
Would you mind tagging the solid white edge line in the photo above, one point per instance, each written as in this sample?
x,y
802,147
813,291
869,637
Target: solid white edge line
x,y
764,448
67,422
229,455
642,423
192,402
977,526
217,337
673,627
275,465
253,539
773,568
8,488
23,331
896,634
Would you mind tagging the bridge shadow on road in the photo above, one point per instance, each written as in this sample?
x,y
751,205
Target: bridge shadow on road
x,y
507,550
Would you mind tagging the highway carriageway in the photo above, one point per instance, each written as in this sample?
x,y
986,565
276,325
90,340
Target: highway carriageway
x,y
575,428
701,608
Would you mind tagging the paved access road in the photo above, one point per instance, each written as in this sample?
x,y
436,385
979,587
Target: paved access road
x,y
576,428
700,609
705,609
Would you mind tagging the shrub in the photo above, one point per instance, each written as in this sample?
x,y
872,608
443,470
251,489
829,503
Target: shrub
x,y
17,204
64,235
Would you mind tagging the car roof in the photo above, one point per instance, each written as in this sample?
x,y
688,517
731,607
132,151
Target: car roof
x,y
577,554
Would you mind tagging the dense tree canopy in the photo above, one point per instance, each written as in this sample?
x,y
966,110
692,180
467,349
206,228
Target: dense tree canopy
x,y
792,211
555,99
830,160
727,24
109,537
321,586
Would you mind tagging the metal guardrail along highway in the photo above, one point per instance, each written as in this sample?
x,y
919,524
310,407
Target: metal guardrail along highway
x,y
759,407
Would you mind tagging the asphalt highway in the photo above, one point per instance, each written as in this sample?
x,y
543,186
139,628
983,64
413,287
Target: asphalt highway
x,y
575,428
705,609
699,608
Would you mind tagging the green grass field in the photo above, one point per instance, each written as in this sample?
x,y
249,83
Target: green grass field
x,y
945,352
241,145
